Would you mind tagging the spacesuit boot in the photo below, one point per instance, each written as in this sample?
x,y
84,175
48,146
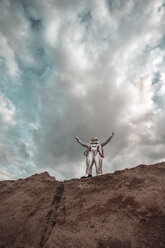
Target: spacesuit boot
x,y
86,176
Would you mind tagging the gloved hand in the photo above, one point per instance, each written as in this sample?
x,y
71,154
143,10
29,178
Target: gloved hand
x,y
77,138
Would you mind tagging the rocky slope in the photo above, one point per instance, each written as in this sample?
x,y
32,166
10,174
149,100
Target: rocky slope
x,y
125,209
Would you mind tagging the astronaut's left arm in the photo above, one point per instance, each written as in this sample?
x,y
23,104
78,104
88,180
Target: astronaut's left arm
x,y
106,142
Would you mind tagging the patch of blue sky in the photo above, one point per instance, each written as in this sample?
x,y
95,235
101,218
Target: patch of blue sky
x,y
147,49
114,6
21,144
4,77
33,16
9,86
157,83
110,5
41,68
25,102
24,84
18,171
85,16
22,133
24,94
2,62
85,19
161,43
161,7
22,91
159,101
156,78
36,24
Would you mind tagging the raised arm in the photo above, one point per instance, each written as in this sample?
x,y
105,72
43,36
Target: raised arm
x,y
82,143
105,142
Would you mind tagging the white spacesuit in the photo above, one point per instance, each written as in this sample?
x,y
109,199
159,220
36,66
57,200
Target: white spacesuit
x,y
94,154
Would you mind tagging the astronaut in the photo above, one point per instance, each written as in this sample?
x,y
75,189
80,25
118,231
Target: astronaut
x,y
94,154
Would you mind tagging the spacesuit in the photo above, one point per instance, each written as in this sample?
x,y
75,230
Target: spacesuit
x,y
94,154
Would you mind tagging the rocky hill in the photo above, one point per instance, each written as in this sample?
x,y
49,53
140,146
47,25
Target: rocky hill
x,y
125,209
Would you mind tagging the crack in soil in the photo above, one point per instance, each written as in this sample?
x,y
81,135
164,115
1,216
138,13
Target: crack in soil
x,y
52,215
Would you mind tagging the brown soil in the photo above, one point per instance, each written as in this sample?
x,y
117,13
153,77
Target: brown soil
x,y
125,209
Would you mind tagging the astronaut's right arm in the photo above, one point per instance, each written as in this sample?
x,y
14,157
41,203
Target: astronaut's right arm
x,y
82,143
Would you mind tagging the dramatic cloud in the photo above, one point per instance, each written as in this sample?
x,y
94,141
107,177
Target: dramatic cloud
x,y
7,112
84,68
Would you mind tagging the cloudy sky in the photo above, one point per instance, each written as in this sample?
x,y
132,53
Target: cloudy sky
x,y
84,68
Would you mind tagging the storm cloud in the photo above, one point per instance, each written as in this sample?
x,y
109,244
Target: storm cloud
x,y
80,68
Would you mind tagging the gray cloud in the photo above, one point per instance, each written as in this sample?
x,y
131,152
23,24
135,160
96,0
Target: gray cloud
x,y
91,67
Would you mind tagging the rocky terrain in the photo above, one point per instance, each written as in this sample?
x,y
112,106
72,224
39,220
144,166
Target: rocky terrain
x,y
125,209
